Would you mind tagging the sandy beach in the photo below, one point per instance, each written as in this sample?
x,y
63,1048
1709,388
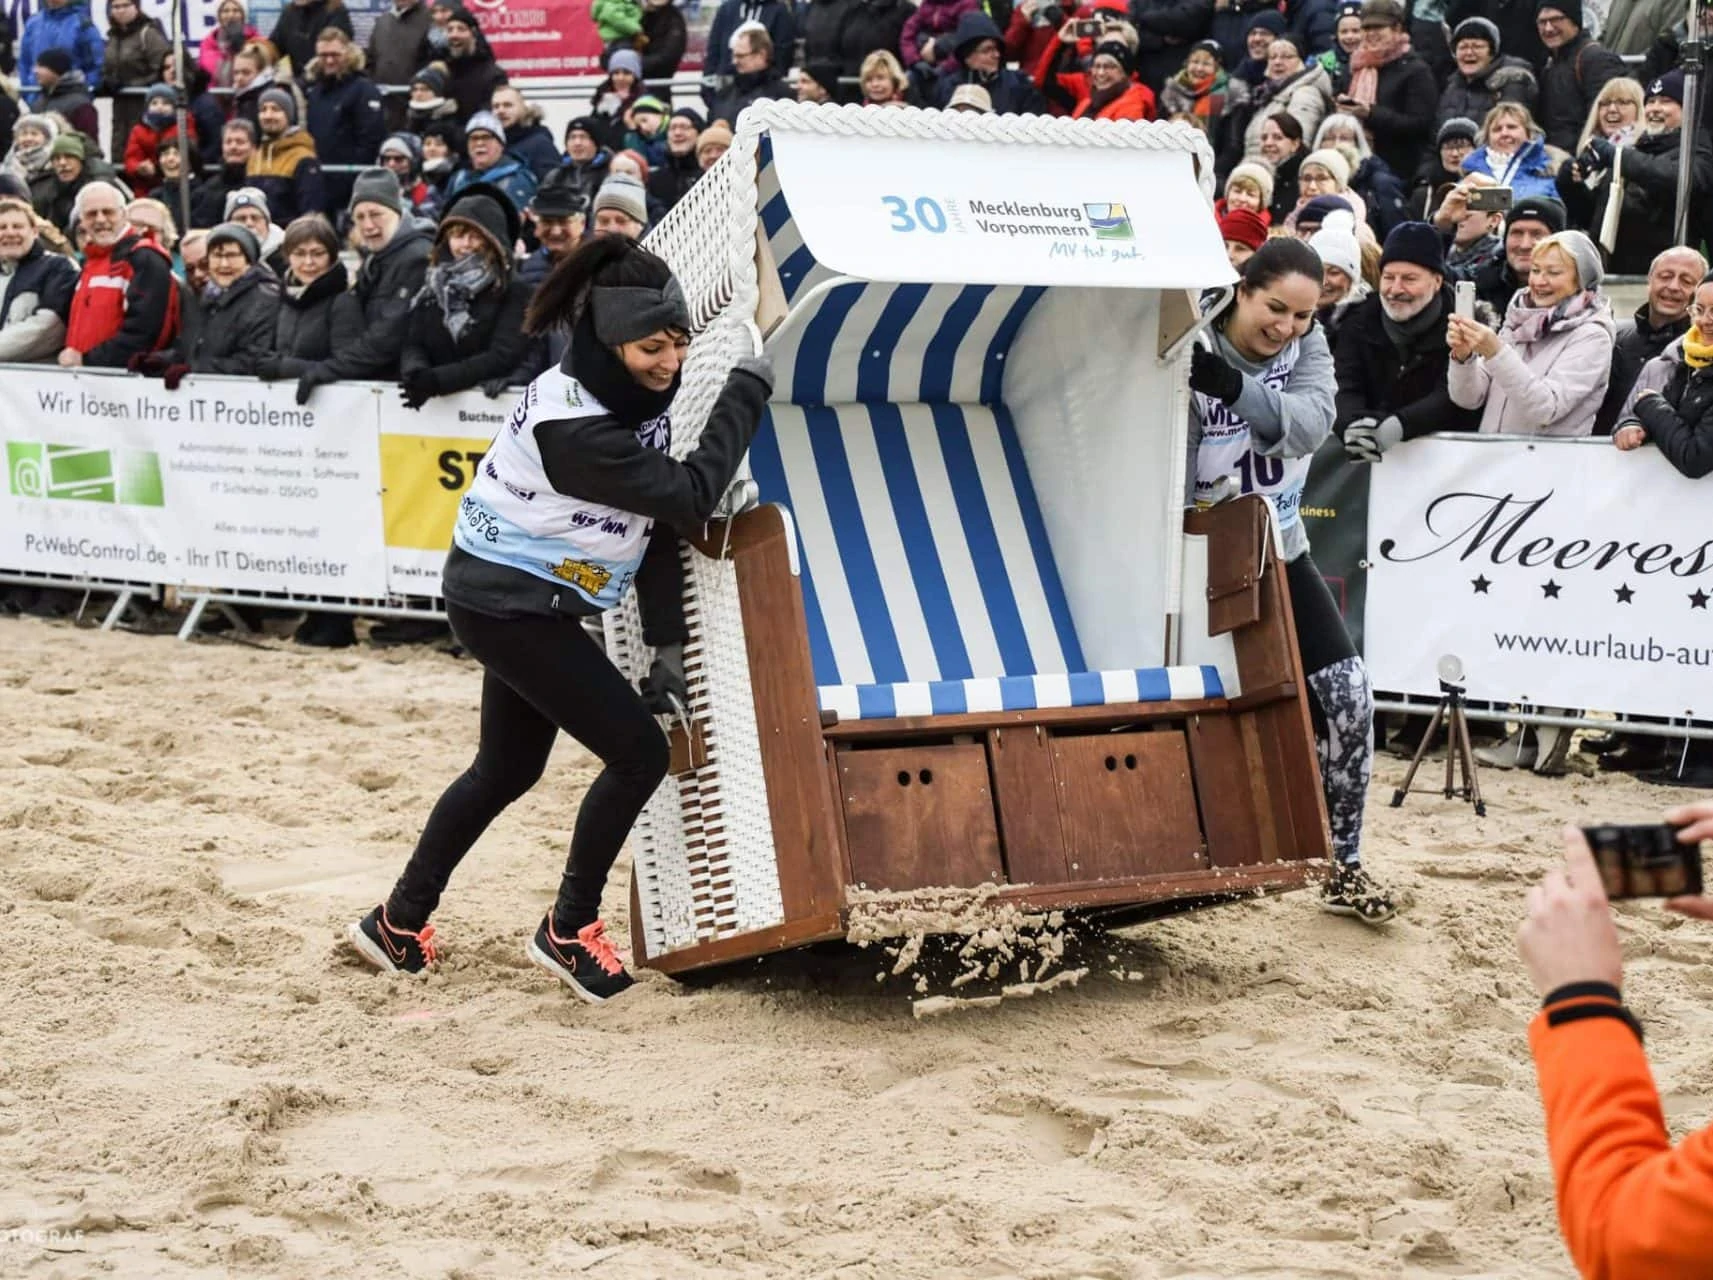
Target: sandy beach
x,y
197,1079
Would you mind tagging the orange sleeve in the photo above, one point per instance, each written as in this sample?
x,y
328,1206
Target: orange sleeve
x,y
1630,1206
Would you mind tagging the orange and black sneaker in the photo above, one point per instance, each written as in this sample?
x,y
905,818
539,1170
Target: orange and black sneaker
x,y
391,949
586,963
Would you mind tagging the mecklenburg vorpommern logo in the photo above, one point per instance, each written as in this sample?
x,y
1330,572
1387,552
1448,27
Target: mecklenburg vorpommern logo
x,y
1110,222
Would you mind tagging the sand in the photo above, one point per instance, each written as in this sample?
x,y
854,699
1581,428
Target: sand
x,y
197,1080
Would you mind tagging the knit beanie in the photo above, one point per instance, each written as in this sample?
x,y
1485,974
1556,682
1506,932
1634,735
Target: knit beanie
x,y
160,89
1335,242
377,186
1244,227
1670,85
718,132
251,198
239,235
1458,127
624,193
1571,9
1212,48
1542,209
825,74
697,120
57,61
654,106
432,78
1477,29
485,122
1257,173
1417,243
281,99
625,60
1581,251
1267,20
403,144
43,125
68,144
1118,51
1315,211
1332,161
589,125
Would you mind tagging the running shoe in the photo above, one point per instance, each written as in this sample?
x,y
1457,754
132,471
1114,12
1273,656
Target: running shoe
x,y
392,950
586,963
1351,891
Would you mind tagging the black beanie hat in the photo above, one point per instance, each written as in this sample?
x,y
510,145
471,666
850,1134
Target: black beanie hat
x,y
1267,20
1416,243
1118,51
1541,209
484,205
695,117
1210,47
1477,29
432,77
1571,9
1458,127
57,61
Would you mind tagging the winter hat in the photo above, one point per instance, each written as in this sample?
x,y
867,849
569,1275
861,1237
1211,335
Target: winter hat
x,y
1542,209
698,122
1571,9
403,144
461,14
431,77
1294,40
624,193
1580,249
586,124
1417,243
239,235
1670,85
971,97
651,104
252,198
1210,47
1477,29
1315,211
57,61
1458,127
1347,9
161,89
1382,13
377,186
43,125
1118,51
825,74
448,131
68,144
717,133
1244,227
485,122
1335,242
974,27
12,185
1330,160
483,212
558,197
1267,20
1257,173
281,99
625,60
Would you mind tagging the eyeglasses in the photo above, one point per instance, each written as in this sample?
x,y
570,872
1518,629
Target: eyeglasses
x,y
227,253
308,251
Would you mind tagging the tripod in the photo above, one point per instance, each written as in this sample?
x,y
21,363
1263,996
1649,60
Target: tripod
x,y
1458,751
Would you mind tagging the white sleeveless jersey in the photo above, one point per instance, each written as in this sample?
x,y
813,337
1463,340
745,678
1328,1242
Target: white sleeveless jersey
x,y
512,514
1226,448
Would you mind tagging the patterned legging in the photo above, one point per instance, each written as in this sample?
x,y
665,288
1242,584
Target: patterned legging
x,y
1341,706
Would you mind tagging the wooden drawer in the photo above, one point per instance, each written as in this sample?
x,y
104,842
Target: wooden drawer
x,y
919,817
1127,806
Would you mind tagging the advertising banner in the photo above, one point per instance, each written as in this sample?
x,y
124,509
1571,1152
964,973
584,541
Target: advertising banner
x,y
1559,573
428,460
1335,517
929,213
224,483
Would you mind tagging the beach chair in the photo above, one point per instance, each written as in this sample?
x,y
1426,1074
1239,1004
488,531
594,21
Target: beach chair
x,y
968,643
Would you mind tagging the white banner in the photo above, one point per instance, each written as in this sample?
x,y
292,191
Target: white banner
x,y
225,483
1561,573
933,212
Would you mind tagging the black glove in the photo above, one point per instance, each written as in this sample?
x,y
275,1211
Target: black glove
x,y
268,369
494,388
1598,153
417,388
1212,376
306,385
174,373
151,364
666,682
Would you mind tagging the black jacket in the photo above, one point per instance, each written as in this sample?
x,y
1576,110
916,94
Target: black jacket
x,y
1650,198
1165,30
1572,80
752,86
1401,119
472,79
208,197
493,346
1376,381
663,27
235,332
821,24
348,125
294,34
1285,187
1680,421
387,282
40,282
1496,284
1506,79
869,25
533,144
668,182
320,320
1638,342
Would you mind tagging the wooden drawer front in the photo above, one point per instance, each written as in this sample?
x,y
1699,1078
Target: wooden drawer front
x,y
1127,806
919,817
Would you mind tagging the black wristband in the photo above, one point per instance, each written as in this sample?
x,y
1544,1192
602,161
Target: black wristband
x,y
1583,991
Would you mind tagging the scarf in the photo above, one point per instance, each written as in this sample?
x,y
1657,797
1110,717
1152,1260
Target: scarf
x,y
1526,324
1410,336
1365,73
597,367
33,159
160,121
1202,91
456,284
1697,350
1100,99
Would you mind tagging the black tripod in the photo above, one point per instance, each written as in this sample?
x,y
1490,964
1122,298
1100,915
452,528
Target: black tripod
x,y
1458,751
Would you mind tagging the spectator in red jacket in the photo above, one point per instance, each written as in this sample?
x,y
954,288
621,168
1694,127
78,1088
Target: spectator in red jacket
x,y
159,125
1106,91
126,303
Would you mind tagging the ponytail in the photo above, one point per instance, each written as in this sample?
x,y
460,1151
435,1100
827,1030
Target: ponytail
x,y
607,260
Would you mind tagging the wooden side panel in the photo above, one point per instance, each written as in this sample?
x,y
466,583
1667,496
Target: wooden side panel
x,y
919,817
1126,805
1234,810
787,715
1025,794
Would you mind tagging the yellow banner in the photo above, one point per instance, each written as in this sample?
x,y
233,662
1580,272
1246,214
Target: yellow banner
x,y
423,479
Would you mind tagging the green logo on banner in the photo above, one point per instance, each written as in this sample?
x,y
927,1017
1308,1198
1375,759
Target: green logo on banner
x,y
1110,222
131,477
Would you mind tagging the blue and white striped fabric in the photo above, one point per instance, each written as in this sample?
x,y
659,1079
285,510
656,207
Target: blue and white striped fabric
x,y
928,579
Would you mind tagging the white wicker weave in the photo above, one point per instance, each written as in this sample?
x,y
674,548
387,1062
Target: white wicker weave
x,y
705,865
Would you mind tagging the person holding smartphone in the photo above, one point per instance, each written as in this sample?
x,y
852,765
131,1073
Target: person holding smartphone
x,y
1629,1203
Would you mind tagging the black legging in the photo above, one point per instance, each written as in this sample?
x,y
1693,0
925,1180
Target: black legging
x,y
541,675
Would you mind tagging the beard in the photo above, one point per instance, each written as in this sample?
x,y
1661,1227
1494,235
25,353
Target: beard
x,y
1398,312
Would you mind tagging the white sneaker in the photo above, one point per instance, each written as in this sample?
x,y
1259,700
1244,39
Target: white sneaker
x,y
1519,751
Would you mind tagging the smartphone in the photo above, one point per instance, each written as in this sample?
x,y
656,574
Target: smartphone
x,y
1465,304
1645,861
1088,28
1490,200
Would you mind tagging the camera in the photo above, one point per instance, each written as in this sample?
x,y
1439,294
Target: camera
x,y
1490,200
1645,861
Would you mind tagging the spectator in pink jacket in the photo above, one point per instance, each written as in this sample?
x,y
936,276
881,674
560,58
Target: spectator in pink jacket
x,y
928,32
232,31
